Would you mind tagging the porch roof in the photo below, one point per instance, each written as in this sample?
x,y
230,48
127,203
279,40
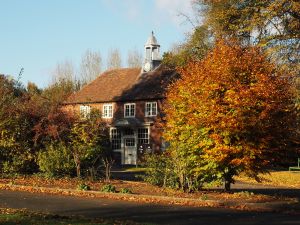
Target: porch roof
x,y
127,122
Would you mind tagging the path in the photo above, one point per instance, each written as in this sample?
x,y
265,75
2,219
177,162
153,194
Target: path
x,y
140,212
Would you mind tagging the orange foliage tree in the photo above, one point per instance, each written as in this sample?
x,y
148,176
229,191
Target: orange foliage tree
x,y
229,113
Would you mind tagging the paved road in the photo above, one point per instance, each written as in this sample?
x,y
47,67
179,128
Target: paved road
x,y
139,212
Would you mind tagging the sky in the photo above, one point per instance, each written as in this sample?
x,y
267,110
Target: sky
x,y
38,34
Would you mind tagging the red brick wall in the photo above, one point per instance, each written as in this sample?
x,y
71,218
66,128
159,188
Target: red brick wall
x,y
118,109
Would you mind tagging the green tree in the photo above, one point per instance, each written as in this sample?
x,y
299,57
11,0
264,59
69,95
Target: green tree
x,y
195,48
56,160
88,136
229,113
273,25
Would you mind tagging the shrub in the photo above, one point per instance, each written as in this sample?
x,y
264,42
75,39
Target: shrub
x,y
57,160
125,191
83,187
173,172
109,188
159,171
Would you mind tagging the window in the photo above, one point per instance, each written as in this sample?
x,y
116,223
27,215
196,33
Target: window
x,y
129,142
143,136
129,110
107,111
85,111
115,136
151,109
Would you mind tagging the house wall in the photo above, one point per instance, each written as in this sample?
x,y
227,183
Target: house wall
x,y
118,113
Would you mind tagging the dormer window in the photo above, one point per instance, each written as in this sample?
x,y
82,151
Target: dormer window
x,y
107,111
85,111
151,109
129,110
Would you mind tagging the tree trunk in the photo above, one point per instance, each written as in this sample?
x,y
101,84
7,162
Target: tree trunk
x,y
227,185
108,163
78,167
78,170
228,178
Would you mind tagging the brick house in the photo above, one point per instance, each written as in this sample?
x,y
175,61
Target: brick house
x,y
130,101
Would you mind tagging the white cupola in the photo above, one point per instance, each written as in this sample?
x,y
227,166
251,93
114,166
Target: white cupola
x,y
152,54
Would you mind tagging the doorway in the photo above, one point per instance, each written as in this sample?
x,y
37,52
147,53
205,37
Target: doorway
x,y
130,151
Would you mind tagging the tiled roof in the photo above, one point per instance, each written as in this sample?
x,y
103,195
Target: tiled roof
x,y
127,84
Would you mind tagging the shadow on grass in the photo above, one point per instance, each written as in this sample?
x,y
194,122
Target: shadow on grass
x,y
128,173
24,217
278,192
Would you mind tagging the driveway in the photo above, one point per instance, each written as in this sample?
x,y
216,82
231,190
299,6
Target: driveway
x,y
140,212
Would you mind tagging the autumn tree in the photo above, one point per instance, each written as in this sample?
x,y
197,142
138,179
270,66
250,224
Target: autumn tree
x,y
272,25
17,117
63,83
90,67
63,72
114,59
229,113
52,137
134,59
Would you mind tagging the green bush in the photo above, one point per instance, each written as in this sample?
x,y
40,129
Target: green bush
x,y
159,171
83,187
14,161
56,160
177,173
125,191
109,188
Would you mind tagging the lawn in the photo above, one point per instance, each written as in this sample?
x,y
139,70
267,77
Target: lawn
x,y
290,179
148,192
68,186
24,217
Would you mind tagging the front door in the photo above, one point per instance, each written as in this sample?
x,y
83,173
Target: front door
x,y
130,151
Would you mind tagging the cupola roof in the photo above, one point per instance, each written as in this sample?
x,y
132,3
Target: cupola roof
x,y
152,40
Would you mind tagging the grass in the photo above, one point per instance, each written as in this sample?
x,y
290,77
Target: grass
x,y
277,178
24,217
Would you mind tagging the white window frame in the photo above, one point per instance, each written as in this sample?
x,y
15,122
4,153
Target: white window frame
x,y
115,137
130,105
142,137
150,113
108,111
85,111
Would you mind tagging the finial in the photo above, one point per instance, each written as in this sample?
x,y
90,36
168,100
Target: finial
x,y
152,33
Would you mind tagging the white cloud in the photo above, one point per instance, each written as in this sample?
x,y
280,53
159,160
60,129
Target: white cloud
x,y
131,9
155,13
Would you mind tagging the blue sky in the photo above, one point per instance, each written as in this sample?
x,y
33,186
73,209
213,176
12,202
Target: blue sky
x,y
38,34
